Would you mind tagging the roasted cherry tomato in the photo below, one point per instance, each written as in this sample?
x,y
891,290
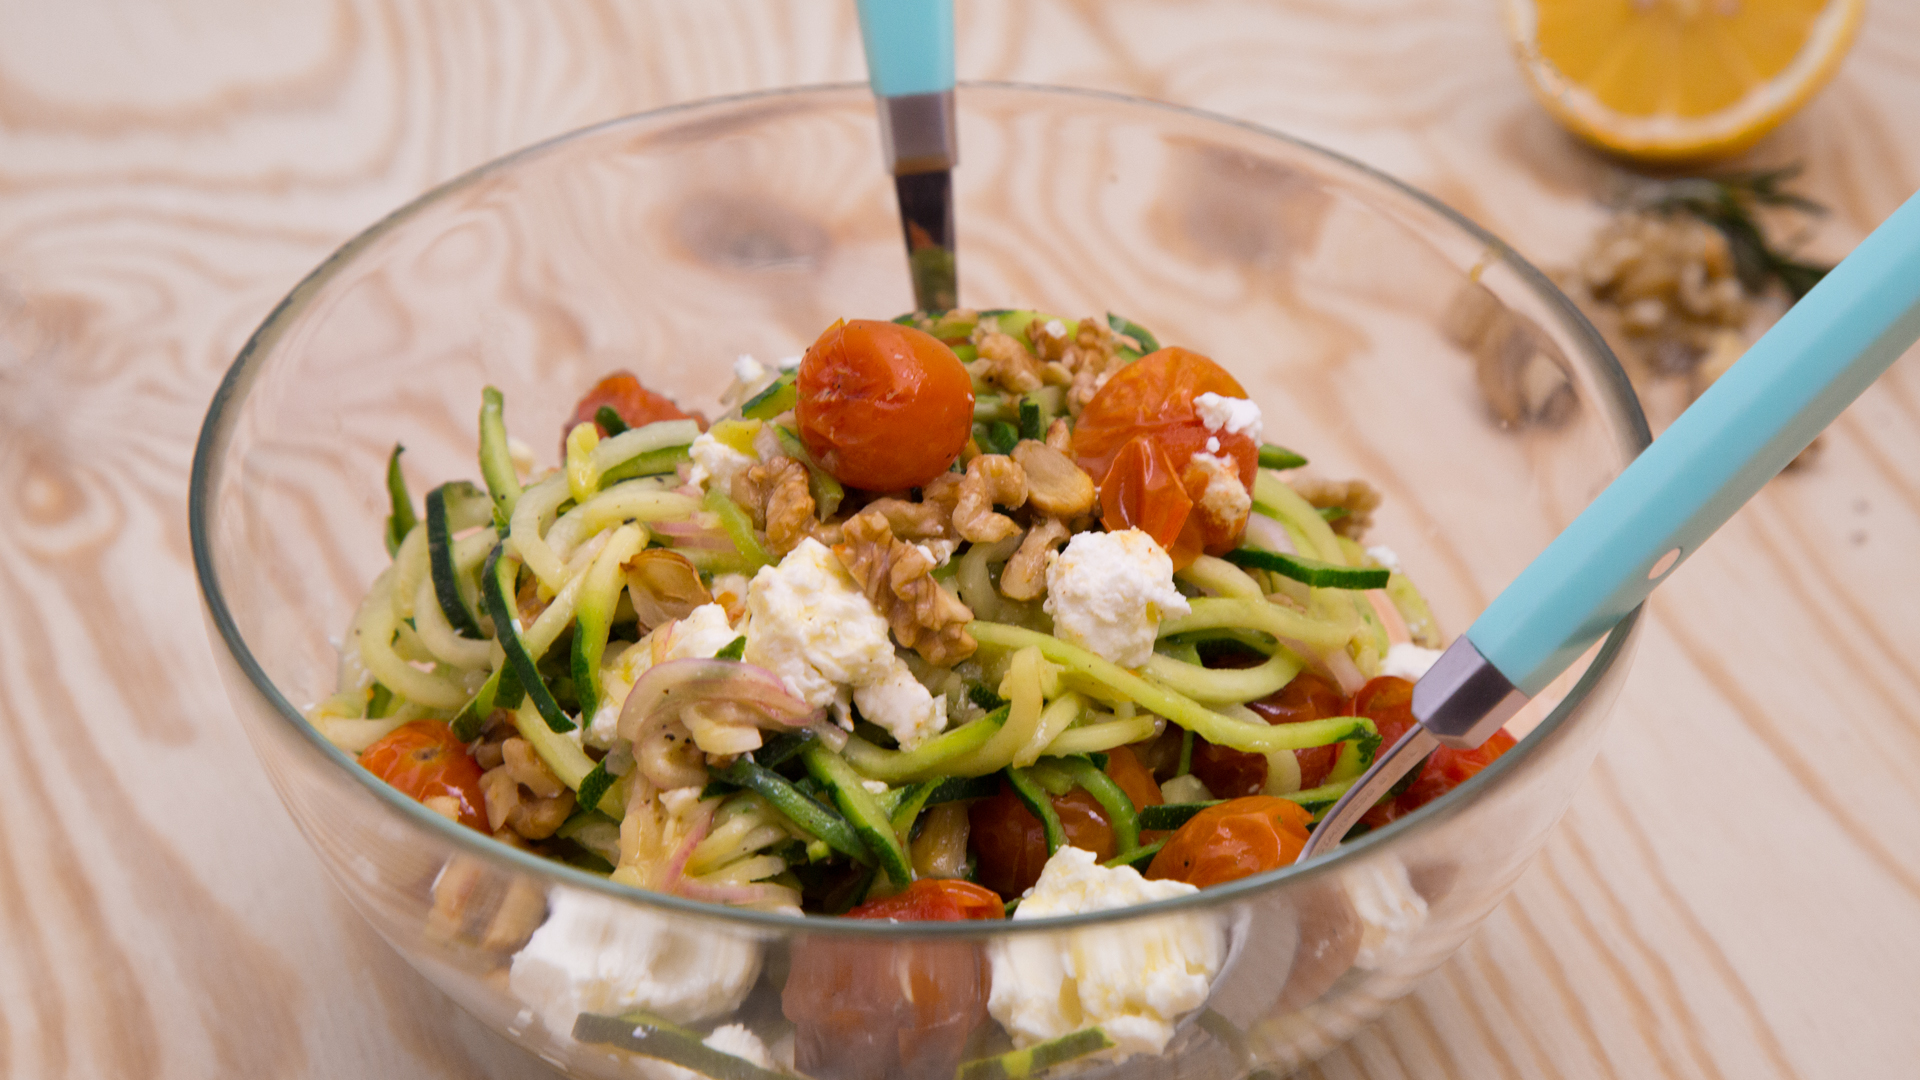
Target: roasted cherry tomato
x,y
1010,844
1143,491
882,406
1388,702
424,760
1153,398
934,900
636,404
1448,768
1230,773
1235,839
864,1010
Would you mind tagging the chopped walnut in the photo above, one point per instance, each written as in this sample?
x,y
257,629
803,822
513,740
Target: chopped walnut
x,y
1005,362
775,492
523,794
1025,576
992,479
470,906
929,519
1056,486
1090,361
893,574
1060,435
1357,497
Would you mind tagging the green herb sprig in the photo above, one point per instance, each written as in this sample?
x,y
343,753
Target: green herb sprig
x,y
1729,203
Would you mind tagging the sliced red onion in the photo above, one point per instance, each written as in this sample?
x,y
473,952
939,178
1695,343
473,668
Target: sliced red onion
x,y
664,690
1269,534
676,875
1336,665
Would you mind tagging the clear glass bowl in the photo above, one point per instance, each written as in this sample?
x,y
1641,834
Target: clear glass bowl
x,y
1382,334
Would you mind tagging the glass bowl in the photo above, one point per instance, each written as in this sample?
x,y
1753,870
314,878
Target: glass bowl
x,y
1383,335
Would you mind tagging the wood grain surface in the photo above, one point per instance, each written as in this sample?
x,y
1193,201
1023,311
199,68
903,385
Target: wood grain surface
x,y
1735,893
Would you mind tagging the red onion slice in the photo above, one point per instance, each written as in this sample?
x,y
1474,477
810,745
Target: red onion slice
x,y
663,691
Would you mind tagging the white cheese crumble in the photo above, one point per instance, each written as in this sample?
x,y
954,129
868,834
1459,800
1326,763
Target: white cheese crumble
x,y
1134,983
597,955
1108,591
1408,661
812,626
748,370
704,632
1236,416
715,464
1391,912
788,363
1187,788
1225,499
1385,556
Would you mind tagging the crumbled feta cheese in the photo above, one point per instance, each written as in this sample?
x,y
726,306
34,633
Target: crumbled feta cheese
x,y
735,1039
876,787
1213,444
1236,416
1391,912
1134,983
748,370
715,464
1056,328
1225,499
812,626
788,363
1385,556
704,632
597,955
1107,593
1408,661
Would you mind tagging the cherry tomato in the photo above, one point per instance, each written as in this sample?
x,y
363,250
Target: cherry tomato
x,y
934,900
1142,491
883,407
1230,773
1153,398
1010,844
1232,840
636,404
865,1010
1448,768
424,760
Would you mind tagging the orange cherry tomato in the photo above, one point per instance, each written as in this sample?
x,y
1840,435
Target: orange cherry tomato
x,y
883,407
1235,839
1448,768
1010,844
865,1010
1230,773
934,900
424,760
1142,491
1153,398
636,404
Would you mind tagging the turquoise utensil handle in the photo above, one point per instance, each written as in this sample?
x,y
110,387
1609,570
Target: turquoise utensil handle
x,y
1794,381
909,45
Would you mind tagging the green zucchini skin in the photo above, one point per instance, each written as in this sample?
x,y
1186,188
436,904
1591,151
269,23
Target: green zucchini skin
x,y
798,807
1120,324
446,582
861,809
610,421
400,519
1171,815
1040,805
521,664
655,1038
1139,858
779,396
1121,814
496,462
1311,572
1020,1064
1273,456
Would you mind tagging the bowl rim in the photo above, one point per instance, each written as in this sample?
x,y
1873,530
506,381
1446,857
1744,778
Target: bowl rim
x,y
1627,417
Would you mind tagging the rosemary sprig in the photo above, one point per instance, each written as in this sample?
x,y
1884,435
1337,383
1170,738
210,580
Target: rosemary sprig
x,y
1728,202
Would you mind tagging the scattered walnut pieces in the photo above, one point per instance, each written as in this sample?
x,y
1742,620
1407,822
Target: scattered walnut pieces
x,y
1056,486
1004,361
1090,362
1025,575
1357,497
894,575
775,492
523,794
992,479
471,906
929,519
1521,372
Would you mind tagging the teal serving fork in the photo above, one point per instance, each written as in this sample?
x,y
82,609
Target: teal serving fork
x,y
909,45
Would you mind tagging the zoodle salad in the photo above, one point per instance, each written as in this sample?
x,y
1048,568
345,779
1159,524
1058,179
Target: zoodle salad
x,y
960,616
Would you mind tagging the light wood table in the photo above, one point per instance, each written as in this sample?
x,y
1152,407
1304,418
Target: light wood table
x,y
1735,894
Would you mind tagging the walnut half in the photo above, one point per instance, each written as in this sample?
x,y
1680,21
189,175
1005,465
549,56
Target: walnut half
x,y
893,574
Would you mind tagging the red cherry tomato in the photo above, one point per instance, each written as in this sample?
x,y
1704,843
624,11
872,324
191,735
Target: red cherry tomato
x,y
883,407
1232,773
636,404
934,900
1010,844
1448,768
1142,491
1153,398
865,1010
425,760
1236,839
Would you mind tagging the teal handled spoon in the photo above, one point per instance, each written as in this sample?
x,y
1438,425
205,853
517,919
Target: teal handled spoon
x,y
909,45
1754,419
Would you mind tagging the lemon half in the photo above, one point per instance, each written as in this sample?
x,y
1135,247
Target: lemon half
x,y
1674,80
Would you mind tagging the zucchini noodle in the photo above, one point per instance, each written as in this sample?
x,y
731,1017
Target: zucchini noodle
x,y
532,514
637,501
973,574
1222,578
743,827
373,634
1213,613
1223,686
409,570
613,452
1054,719
436,633
1029,677
1106,735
